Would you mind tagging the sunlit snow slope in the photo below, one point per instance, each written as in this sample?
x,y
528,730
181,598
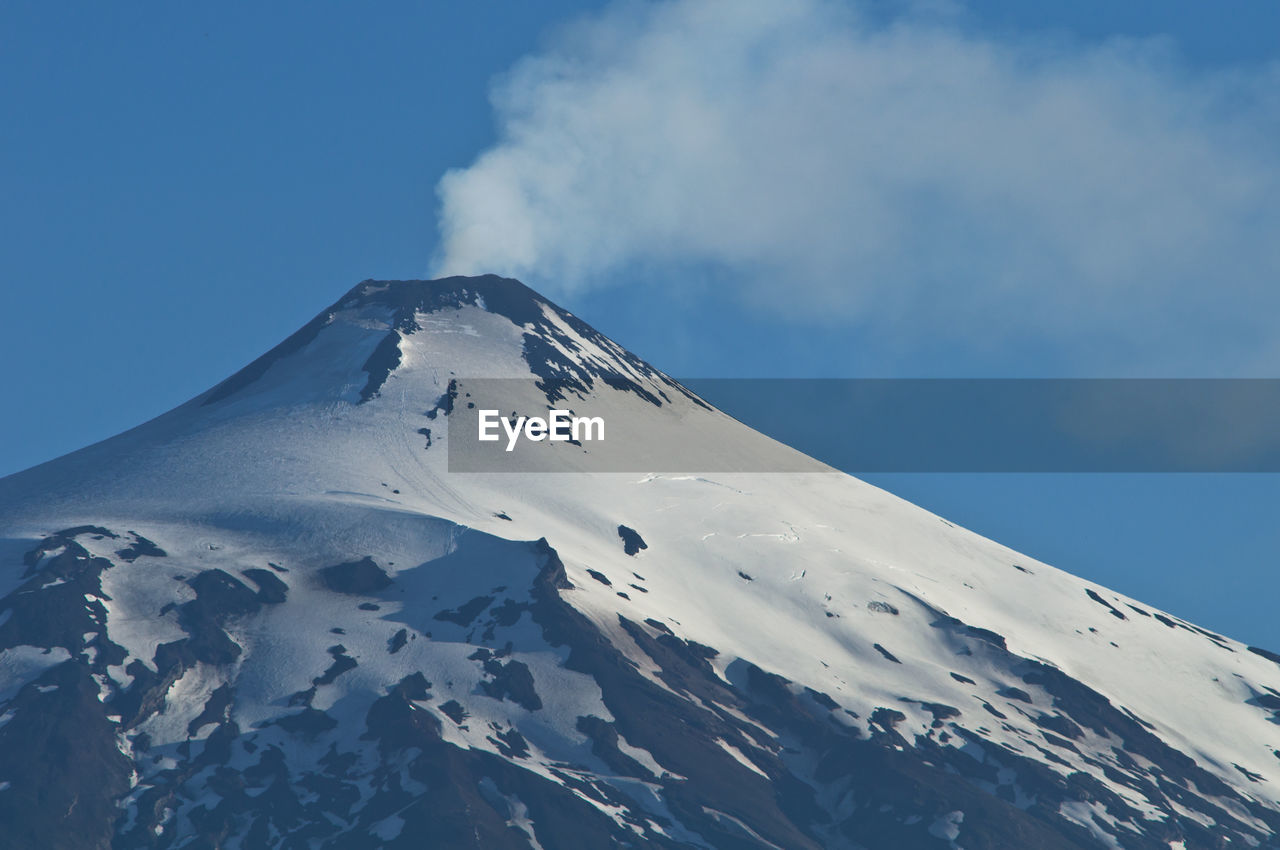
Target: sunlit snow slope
x,y
273,618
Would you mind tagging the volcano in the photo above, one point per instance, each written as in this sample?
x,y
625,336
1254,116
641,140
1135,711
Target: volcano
x,y
275,618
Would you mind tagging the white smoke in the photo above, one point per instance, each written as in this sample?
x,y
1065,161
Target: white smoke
x,y
836,168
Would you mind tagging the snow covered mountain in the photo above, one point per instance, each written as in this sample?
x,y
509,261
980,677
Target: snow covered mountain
x,y
272,618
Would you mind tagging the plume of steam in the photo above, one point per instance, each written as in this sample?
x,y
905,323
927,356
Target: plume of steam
x,y
837,168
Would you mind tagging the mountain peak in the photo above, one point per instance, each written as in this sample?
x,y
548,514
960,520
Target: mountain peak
x,y
502,295
462,327
397,305
278,616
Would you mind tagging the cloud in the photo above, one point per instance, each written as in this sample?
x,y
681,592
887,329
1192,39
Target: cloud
x,y
915,175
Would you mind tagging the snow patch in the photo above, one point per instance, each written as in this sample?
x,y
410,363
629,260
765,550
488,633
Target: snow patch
x,y
21,664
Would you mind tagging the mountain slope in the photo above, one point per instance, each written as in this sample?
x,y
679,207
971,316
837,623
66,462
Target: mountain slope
x,y
273,618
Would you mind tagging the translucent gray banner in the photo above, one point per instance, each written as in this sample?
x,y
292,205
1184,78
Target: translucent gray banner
x,y
888,425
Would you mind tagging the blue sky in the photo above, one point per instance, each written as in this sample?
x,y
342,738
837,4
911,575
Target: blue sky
x,y
959,189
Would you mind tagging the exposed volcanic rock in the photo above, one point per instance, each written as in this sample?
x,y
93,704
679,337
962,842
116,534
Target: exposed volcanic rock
x,y
62,768
271,589
632,542
362,576
219,597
